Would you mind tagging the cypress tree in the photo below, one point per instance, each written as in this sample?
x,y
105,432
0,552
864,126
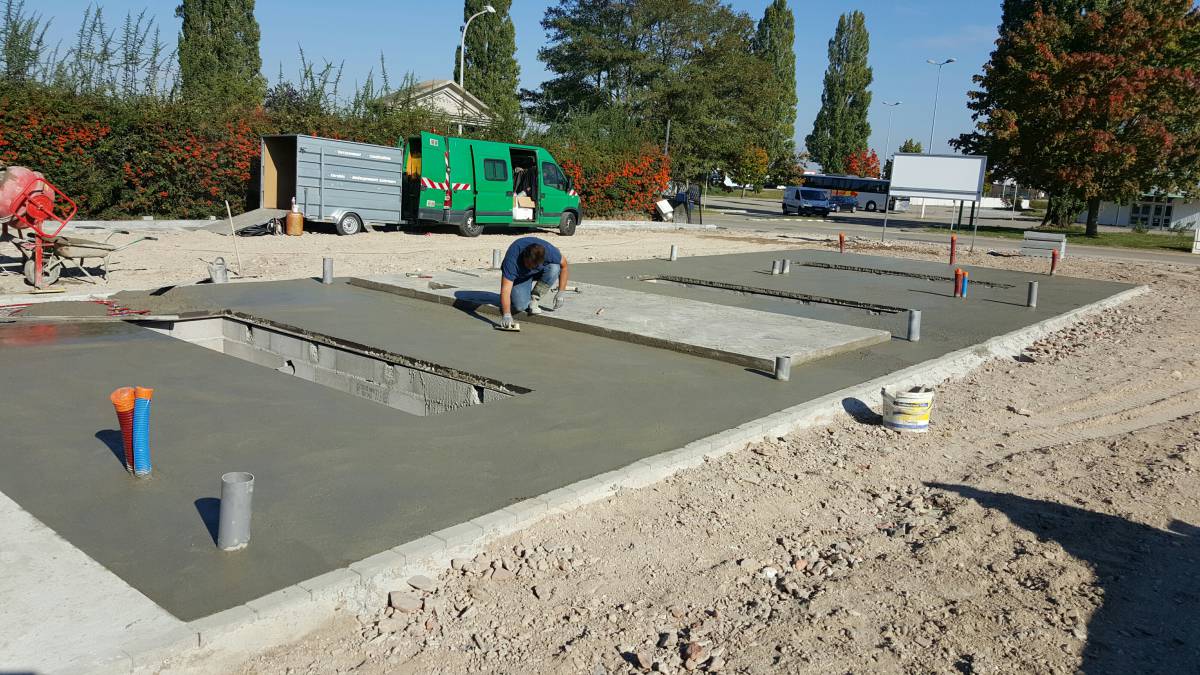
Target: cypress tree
x,y
841,127
219,60
773,43
492,73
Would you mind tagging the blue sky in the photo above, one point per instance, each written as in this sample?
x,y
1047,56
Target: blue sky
x,y
421,37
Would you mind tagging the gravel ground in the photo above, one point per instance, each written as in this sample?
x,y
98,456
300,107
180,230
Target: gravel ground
x,y
1045,524
181,256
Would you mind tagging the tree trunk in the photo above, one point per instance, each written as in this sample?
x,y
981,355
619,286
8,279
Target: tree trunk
x,y
1049,210
743,190
1093,217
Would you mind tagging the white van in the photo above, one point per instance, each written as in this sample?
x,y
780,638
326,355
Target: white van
x,y
806,201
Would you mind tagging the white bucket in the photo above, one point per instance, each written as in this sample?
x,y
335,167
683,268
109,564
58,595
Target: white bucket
x,y
908,410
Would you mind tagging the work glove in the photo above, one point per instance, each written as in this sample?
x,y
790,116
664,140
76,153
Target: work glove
x,y
506,321
560,299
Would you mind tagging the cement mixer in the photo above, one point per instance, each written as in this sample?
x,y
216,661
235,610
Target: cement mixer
x,y
38,211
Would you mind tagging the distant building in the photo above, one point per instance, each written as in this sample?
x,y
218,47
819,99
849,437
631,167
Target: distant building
x,y
447,98
1151,211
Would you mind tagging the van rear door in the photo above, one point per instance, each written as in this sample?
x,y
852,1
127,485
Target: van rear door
x,y
493,183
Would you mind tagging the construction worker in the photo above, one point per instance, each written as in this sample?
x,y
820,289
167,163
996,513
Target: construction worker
x,y
531,267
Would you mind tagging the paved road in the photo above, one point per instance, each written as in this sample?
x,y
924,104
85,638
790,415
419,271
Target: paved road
x,y
760,215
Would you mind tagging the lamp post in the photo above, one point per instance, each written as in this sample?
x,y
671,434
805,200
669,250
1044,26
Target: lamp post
x,y
887,147
462,49
933,123
936,92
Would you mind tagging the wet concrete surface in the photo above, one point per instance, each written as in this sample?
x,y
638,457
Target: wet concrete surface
x,y
340,478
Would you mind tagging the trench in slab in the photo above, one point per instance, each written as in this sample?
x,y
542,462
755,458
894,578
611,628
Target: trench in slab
x,y
404,384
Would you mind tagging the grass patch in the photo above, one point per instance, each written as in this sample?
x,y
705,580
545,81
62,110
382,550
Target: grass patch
x,y
771,194
1176,241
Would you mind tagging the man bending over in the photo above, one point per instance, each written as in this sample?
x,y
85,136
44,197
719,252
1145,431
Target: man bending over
x,y
530,268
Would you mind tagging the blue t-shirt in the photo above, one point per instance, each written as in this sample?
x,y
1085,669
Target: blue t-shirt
x,y
511,267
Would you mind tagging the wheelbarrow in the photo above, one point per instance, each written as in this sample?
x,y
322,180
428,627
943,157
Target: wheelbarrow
x,y
72,251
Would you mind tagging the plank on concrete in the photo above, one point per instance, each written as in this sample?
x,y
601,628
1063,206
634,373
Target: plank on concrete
x,y
743,336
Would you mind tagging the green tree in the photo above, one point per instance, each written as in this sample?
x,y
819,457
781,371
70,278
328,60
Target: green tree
x,y
773,43
1094,104
219,60
841,126
492,73
688,61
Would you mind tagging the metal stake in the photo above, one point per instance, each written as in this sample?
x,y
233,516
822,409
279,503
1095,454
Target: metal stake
x,y
914,325
1031,297
783,368
237,496
327,270
674,253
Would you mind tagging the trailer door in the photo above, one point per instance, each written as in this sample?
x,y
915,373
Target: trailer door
x,y
493,183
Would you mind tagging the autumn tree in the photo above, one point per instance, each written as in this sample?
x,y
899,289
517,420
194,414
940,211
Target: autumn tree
x,y
841,125
219,61
1094,103
864,163
751,167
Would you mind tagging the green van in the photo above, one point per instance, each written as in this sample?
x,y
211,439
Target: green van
x,y
475,184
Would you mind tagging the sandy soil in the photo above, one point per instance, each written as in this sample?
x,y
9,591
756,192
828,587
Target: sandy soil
x,y
1045,524
179,256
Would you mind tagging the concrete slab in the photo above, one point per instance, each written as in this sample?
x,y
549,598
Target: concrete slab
x,y
745,337
341,479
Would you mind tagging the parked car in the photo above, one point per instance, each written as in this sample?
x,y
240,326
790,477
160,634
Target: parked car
x,y
844,203
806,201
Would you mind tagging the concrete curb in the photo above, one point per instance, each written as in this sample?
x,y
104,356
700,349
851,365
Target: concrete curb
x,y
288,614
197,224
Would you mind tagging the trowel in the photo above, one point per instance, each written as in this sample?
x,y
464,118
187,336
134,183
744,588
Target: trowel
x,y
515,328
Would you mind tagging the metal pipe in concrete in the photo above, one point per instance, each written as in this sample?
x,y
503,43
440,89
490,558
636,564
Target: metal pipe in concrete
x,y
914,325
327,270
674,252
1031,298
776,266
237,495
783,368
218,272
787,266
495,258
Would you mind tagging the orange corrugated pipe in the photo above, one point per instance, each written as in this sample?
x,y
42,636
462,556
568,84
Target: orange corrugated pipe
x,y
122,400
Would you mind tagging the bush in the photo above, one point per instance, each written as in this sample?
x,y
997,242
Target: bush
x,y
1038,204
121,159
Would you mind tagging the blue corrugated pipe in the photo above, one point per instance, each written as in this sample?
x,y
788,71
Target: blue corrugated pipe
x,y
141,431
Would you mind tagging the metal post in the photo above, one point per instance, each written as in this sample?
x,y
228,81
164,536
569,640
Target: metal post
x,y
783,368
1031,296
914,325
495,258
674,253
327,271
787,266
958,223
1016,198
237,496
974,227
462,51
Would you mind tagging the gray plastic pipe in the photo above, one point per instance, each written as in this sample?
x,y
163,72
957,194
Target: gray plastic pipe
x,y
237,496
787,266
327,270
783,368
495,258
776,266
218,272
1031,298
914,325
674,252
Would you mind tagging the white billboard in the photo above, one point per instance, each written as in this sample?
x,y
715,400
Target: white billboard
x,y
957,177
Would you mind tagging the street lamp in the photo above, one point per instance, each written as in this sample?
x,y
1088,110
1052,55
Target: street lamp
x,y
936,92
462,52
462,46
887,147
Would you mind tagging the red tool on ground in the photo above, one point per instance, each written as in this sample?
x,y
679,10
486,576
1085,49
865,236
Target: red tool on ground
x,y
953,247
28,202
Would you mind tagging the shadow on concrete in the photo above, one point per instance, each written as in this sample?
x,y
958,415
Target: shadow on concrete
x,y
209,509
470,302
1150,619
861,412
115,442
